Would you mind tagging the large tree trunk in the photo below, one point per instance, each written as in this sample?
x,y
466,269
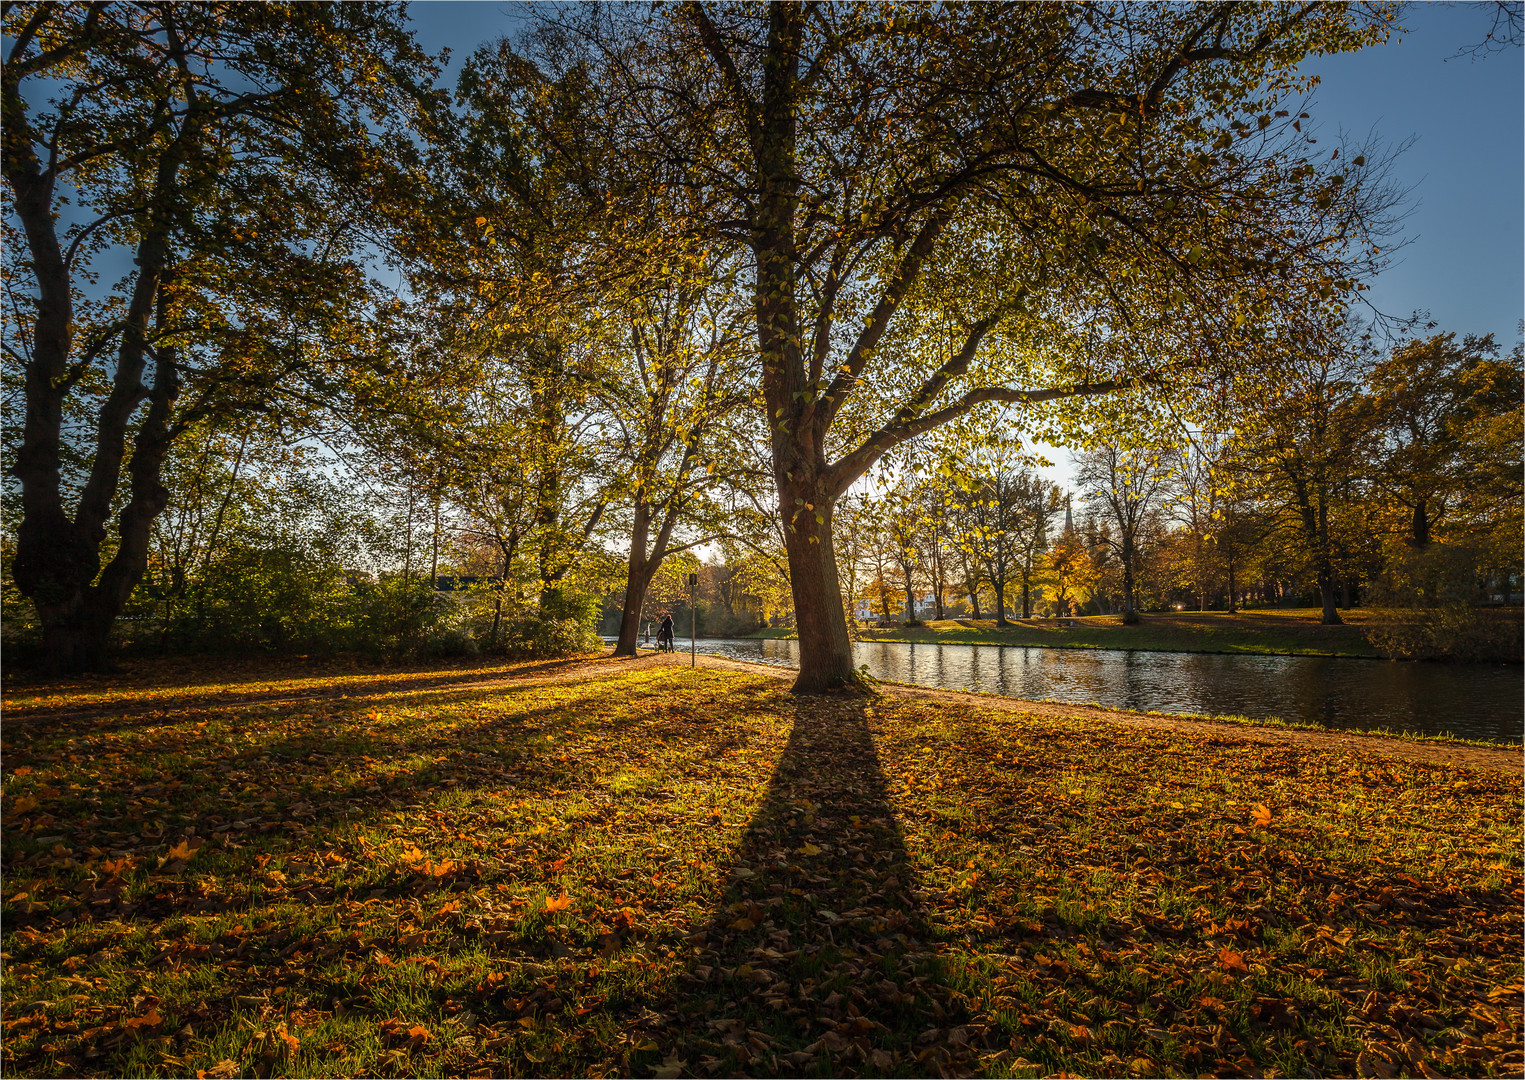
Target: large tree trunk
x,y
826,658
637,580
1027,592
999,584
58,559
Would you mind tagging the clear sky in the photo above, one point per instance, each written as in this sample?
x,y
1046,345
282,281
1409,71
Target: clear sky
x,y
1465,260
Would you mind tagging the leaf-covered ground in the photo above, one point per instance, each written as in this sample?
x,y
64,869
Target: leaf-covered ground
x,y
661,872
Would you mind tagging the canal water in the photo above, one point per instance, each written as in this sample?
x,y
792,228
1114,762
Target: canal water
x,y
1479,701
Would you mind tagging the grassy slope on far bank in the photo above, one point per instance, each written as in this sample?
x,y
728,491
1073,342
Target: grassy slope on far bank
x,y
654,871
1288,631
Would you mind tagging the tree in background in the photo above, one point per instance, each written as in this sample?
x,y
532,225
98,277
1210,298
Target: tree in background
x,y
1304,441
1127,486
223,154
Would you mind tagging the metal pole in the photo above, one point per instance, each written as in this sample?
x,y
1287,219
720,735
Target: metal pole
x,y
693,622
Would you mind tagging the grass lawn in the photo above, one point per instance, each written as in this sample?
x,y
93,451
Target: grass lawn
x,y
1290,631
648,870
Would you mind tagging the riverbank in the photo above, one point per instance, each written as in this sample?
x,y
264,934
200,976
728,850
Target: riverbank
x,y
599,866
1278,632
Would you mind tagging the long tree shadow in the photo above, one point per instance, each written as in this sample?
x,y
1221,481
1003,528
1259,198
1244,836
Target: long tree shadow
x,y
819,959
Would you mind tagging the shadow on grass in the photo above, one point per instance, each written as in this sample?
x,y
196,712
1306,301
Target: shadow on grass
x,y
276,686
819,959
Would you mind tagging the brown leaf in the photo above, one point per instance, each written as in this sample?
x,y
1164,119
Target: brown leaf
x,y
150,1019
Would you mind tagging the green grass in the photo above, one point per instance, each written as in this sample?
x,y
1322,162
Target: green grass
x,y
752,882
1274,631
1280,632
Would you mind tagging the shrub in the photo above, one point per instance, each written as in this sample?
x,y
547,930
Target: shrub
x,y
566,623
1426,607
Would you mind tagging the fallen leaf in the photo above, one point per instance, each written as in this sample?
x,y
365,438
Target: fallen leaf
x,y
560,903
150,1019
1231,960
1262,815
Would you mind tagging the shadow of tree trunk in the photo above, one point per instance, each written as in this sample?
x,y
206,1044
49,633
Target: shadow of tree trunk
x,y
819,959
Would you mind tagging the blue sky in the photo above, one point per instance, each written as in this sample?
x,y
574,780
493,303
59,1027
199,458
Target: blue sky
x,y
1464,261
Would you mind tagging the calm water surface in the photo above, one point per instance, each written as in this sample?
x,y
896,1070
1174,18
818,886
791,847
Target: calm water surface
x,y
1480,701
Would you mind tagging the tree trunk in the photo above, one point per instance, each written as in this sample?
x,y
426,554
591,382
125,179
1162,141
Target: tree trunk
x,y
637,581
1231,593
1327,596
974,600
1130,610
826,658
999,584
1027,592
1420,530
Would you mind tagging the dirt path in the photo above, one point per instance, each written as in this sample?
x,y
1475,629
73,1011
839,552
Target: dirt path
x,y
574,670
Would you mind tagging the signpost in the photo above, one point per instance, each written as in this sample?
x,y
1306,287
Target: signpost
x,y
693,621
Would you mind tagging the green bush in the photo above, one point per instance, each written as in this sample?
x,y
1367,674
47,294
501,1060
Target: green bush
x,y
1426,606
565,624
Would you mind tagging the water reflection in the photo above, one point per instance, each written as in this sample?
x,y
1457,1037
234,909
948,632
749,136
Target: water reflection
x,y
1472,700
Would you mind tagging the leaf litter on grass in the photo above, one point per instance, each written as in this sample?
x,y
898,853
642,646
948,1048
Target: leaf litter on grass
x,y
670,873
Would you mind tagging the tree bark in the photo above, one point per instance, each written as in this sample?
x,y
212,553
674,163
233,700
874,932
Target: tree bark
x,y
638,576
1130,609
1419,535
826,660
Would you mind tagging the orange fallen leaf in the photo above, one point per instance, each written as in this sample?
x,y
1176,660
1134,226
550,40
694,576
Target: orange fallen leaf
x,y
1262,815
150,1019
1231,960
560,903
